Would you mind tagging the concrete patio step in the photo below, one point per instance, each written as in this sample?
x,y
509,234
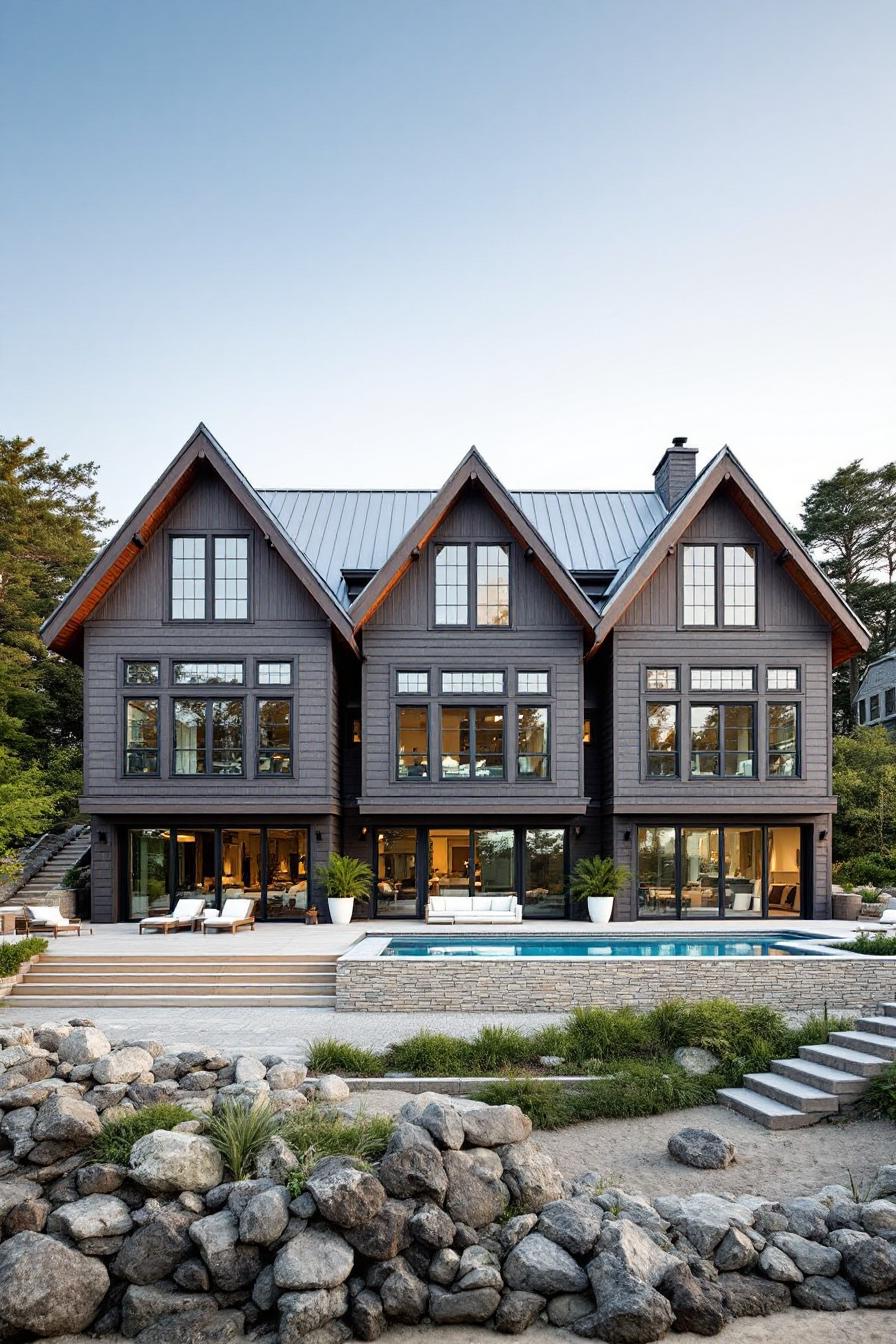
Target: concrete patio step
x,y
883,1026
868,1042
768,1112
888,1009
210,985
790,1092
254,1000
850,1061
836,1081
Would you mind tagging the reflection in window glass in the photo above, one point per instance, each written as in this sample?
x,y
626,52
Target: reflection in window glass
x,y
489,729
456,743
188,578
275,674
413,742
544,875
227,737
863,706
784,871
740,585
533,759
274,737
705,758
452,601
698,567
890,702
722,678
492,585
231,578
208,674
148,892
662,678
873,708
662,740
241,864
739,754
742,897
782,740
189,737
699,872
493,867
656,871
473,683
396,873
141,674
141,753
194,854
287,872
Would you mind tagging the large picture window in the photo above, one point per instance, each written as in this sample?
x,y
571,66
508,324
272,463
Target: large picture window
x,y
492,585
141,748
208,737
722,741
656,871
452,605
718,585
533,754
544,874
413,742
662,740
708,872
472,734
274,737
783,745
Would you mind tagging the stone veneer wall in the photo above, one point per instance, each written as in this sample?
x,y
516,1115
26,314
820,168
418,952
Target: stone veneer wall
x,y
794,984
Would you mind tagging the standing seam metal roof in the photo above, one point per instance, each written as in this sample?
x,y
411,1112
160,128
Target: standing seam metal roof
x,y
359,529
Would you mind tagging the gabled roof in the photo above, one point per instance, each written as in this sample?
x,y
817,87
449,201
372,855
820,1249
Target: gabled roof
x,y
725,472
879,675
589,531
62,632
472,472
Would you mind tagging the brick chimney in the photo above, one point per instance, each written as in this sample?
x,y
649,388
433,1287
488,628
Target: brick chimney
x,y
676,471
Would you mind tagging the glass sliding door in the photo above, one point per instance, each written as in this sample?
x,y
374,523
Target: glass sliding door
x,y
785,878
194,864
657,897
286,872
396,873
494,869
544,874
449,863
699,872
148,890
241,864
742,848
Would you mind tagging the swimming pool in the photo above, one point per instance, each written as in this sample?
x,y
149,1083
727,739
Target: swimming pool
x,y
441,947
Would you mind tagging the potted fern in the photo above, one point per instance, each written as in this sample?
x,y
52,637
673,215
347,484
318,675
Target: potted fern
x,y
598,881
345,880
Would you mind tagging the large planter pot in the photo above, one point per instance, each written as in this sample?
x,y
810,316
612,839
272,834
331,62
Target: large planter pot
x,y
341,908
846,904
600,909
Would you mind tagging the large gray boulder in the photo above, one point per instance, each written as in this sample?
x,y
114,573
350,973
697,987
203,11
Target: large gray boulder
x,y
315,1258
300,1313
168,1162
735,1252
695,1060
344,1193
432,1226
476,1193
777,1265
404,1297
824,1293
409,1135
464,1308
879,1217
214,1327
884,1183
531,1176
122,1066
629,1311
444,1123
156,1249
83,1045
810,1257
366,1315
637,1253
748,1295
67,1120
276,1160
540,1266
870,1265
94,1216
573,1223
16,1127
698,1303
47,1288
386,1235
231,1264
517,1310
146,1305
331,1089
701,1148
264,1218
415,1173
492,1126
286,1077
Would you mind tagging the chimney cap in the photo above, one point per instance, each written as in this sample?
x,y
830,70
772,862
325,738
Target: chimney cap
x,y
679,440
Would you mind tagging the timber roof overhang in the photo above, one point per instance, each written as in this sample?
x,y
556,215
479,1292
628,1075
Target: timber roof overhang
x,y
473,472
725,473
63,631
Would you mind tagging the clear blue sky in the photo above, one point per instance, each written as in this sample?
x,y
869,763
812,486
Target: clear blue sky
x,y
355,238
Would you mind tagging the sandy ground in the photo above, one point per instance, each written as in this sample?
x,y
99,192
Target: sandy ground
x,y
790,1327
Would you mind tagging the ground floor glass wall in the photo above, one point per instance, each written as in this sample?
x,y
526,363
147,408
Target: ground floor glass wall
x,y
268,864
704,872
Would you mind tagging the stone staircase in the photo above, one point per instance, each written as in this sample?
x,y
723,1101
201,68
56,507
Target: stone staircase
x,y
307,981
825,1080
50,874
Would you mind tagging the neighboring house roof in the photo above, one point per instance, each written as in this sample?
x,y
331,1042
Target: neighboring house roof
x,y
337,530
724,471
879,676
473,472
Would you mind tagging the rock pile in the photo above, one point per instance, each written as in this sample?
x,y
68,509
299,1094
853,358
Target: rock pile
x,y
462,1221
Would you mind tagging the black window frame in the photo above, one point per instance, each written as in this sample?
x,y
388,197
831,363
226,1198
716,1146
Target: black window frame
x,y
723,707
652,753
412,672
874,707
533,672
863,711
889,701
209,538
208,751
289,701
784,667
274,685
473,710
140,662
129,750
176,685
471,546
652,668
545,756
508,550
416,706
797,737
718,548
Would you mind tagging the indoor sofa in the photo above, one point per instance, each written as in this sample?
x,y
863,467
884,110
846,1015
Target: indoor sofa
x,y
473,910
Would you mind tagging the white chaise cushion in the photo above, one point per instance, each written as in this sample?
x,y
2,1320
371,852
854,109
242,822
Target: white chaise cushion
x,y
45,914
233,909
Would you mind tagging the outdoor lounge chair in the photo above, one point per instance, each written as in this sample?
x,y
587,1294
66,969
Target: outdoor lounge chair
x,y
237,914
46,919
185,915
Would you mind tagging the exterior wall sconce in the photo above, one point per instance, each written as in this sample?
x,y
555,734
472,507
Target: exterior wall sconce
x,y
318,835
579,830
103,837
626,835
364,830
822,835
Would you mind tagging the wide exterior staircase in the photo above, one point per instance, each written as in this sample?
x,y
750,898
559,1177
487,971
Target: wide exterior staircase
x,y
825,1080
51,872
307,981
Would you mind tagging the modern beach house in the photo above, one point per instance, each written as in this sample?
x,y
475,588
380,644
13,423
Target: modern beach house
x,y
469,687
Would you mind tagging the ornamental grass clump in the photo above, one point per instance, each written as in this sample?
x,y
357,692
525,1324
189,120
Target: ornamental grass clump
x,y
428,1054
239,1133
494,1049
314,1133
118,1135
332,1056
546,1103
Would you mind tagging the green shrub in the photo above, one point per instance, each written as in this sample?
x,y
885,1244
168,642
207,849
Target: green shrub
x,y
428,1054
640,1087
872,944
549,1041
816,1029
314,1133
880,1098
726,1029
77,879
497,1048
873,870
13,955
545,1102
332,1056
240,1132
118,1135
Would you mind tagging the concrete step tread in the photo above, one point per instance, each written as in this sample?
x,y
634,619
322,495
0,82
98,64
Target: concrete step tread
x,y
834,1080
176,1000
868,1041
882,1026
783,1088
852,1061
773,1114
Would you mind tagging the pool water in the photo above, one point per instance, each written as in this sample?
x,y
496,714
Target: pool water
x,y
785,944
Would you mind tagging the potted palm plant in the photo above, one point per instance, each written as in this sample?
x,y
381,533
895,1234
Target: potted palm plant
x,y
598,881
345,880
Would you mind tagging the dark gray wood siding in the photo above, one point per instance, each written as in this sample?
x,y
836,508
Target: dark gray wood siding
x,y
543,636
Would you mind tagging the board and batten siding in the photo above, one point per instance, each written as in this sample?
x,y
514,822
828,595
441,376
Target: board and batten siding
x,y
543,635
286,623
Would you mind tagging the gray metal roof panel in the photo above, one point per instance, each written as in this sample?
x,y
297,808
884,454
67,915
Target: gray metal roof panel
x,y
879,676
359,529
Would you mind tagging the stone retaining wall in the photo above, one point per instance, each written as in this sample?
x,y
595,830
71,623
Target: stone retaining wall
x,y
792,984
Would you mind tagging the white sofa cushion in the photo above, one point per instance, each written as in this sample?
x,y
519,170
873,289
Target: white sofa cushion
x,y
45,914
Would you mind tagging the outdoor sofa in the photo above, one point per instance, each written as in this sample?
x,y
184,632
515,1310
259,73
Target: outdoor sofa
x,y
186,914
46,919
473,910
238,913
